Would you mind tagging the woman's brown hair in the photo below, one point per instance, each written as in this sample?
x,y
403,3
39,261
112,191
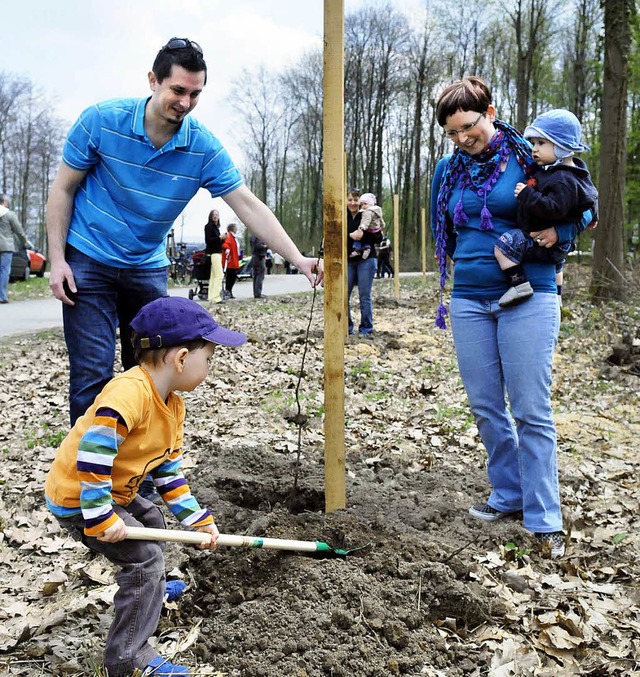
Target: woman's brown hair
x,y
470,93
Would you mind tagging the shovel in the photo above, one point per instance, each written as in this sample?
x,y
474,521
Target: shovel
x,y
200,537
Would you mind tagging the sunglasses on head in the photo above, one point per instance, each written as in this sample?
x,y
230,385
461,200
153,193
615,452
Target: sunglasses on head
x,y
183,43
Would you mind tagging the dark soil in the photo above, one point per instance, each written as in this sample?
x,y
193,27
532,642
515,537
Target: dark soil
x,y
369,613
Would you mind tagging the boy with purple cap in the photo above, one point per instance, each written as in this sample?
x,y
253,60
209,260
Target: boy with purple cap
x,y
558,189
135,427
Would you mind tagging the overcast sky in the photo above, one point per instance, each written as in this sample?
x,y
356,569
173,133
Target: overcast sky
x,y
79,52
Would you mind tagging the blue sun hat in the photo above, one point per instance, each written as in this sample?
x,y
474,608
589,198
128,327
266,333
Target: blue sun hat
x,y
562,128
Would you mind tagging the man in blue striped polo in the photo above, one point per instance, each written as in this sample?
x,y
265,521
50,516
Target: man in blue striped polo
x,y
129,167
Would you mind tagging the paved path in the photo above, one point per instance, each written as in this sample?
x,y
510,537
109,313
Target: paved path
x,y
27,317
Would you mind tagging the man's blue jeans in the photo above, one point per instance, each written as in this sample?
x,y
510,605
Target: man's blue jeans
x,y
508,351
5,273
361,273
107,297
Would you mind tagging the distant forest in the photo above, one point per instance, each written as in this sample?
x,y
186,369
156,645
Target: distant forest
x,y
536,54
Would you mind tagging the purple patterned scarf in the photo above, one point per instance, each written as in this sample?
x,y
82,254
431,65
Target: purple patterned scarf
x,y
479,173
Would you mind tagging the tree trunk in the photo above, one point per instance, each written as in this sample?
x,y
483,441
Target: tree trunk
x,y
607,280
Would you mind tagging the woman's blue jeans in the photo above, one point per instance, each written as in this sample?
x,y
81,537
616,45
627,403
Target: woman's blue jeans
x,y
361,273
507,352
107,297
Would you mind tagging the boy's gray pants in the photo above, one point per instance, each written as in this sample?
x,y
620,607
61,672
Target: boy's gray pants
x,y
141,581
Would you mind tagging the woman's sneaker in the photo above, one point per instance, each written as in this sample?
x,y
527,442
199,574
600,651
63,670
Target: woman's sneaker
x,y
484,512
553,542
163,667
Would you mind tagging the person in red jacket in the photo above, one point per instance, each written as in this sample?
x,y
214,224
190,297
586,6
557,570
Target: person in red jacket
x,y
230,260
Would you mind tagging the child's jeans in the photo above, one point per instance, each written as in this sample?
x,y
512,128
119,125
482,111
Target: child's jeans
x,y
141,581
519,247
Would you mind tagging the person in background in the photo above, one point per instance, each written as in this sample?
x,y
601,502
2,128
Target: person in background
x,y
129,167
502,352
384,258
269,261
10,229
136,426
361,272
278,263
372,222
258,266
230,260
213,244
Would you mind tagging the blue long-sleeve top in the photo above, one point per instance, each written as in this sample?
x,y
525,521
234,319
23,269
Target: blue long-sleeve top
x,y
477,274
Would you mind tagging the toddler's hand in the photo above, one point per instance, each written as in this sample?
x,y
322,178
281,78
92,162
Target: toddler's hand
x,y
211,529
518,189
116,532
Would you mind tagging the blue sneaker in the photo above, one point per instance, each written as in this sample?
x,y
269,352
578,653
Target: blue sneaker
x,y
173,590
163,667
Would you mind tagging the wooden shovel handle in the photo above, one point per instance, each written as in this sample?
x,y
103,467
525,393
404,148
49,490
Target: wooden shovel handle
x,y
196,537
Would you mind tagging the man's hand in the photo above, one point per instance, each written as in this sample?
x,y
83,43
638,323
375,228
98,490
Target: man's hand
x,y
518,189
62,284
356,235
212,530
312,268
116,532
545,238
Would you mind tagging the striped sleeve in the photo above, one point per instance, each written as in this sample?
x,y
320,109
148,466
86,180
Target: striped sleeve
x,y
96,453
175,492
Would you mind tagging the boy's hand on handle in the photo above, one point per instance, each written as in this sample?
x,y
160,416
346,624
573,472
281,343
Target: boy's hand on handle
x,y
116,532
212,530
518,189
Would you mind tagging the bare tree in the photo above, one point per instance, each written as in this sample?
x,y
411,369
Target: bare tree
x,y
531,21
607,280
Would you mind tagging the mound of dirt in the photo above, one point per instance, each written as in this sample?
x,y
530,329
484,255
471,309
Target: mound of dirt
x,y
373,612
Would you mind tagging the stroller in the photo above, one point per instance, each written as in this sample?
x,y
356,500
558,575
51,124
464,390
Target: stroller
x,y
200,274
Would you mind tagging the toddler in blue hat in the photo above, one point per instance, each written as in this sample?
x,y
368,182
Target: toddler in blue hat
x,y
558,190
134,427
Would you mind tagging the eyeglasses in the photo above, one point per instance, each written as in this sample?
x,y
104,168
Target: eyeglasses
x,y
183,43
452,133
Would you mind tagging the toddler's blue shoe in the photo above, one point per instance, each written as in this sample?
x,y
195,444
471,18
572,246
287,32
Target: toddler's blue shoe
x,y
162,667
173,590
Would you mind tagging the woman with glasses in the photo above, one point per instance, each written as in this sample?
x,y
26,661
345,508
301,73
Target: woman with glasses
x,y
502,352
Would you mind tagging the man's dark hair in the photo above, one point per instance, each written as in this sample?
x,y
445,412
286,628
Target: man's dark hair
x,y
189,57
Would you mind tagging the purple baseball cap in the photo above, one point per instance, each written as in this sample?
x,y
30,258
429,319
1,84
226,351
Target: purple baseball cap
x,y
173,320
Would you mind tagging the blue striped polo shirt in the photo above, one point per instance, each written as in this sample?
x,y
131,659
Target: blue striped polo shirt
x,y
133,192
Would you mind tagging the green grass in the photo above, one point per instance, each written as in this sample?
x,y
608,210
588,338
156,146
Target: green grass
x,y
364,368
34,288
45,437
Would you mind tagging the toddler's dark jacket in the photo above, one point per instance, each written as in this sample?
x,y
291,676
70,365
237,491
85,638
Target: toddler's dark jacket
x,y
558,193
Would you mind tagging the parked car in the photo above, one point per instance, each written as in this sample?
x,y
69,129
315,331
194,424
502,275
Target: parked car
x,y
27,262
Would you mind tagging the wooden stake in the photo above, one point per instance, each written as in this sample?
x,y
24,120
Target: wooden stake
x,y
423,243
396,245
334,262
